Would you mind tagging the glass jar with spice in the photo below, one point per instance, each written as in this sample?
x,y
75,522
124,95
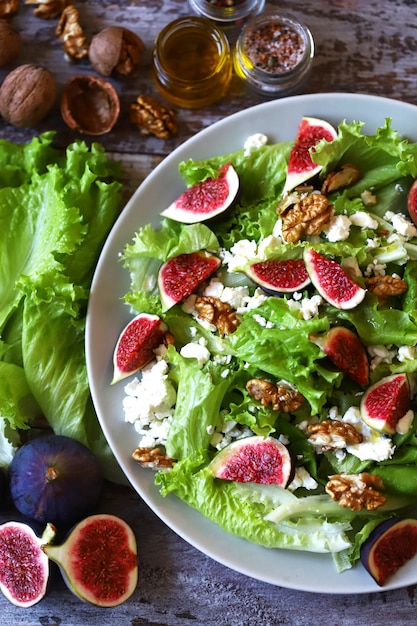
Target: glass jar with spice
x,y
274,54
227,13
192,63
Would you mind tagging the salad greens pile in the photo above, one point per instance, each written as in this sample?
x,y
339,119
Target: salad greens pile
x,y
56,210
272,342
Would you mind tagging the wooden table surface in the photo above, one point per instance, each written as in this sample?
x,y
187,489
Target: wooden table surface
x,y
362,47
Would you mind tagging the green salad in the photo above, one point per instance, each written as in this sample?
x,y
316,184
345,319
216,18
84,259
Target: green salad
x,y
192,400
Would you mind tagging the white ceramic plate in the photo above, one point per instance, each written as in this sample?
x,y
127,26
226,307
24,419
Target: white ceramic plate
x,y
107,315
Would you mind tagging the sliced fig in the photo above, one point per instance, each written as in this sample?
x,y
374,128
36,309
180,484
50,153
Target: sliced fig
x,y
390,545
206,199
24,567
346,351
300,165
98,560
412,202
181,275
55,479
332,281
277,277
385,402
136,344
254,459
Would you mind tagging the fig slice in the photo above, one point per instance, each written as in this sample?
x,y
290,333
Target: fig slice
x,y
385,402
279,276
390,545
180,276
300,167
136,344
98,560
24,567
346,351
206,199
254,459
412,202
332,281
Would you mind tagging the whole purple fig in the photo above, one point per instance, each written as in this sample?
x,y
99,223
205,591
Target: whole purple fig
x,y
55,479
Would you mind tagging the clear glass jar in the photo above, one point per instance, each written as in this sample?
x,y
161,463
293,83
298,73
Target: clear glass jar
x,y
227,13
192,62
274,54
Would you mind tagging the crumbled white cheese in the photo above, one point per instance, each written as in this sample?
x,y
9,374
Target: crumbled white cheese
x,y
309,307
375,268
302,478
381,354
401,224
148,404
364,220
407,353
242,252
257,140
375,446
338,228
262,321
196,350
228,431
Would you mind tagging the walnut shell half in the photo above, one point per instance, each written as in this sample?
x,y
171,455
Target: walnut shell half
x,y
27,94
90,104
116,50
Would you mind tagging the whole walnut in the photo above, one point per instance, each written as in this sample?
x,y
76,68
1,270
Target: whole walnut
x,y
116,50
27,94
9,43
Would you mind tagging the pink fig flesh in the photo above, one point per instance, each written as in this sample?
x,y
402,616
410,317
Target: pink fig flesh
x,y
136,344
385,402
275,276
389,547
254,459
180,276
98,560
300,165
24,567
332,281
206,199
412,202
345,350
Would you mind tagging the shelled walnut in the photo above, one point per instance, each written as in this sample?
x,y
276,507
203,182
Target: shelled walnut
x,y
151,118
218,313
8,8
356,491
281,397
71,34
48,9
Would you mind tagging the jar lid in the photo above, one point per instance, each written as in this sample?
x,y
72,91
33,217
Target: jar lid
x,y
227,12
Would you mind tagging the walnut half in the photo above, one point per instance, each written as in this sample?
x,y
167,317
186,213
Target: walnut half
x,y
152,458
280,397
71,34
333,435
356,491
152,118
306,216
218,313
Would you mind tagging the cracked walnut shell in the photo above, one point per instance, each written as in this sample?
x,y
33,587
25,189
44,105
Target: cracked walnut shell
x,y
116,50
27,94
90,105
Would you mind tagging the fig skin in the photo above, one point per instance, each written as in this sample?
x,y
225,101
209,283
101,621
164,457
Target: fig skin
x,y
27,94
412,202
345,350
390,545
385,402
55,479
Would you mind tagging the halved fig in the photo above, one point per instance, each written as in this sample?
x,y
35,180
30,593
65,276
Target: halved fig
x,y
98,560
206,199
389,547
54,479
24,567
300,165
385,402
180,276
412,202
136,344
332,281
276,277
346,351
254,459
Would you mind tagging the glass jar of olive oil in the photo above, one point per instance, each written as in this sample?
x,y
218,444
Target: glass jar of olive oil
x,y
227,13
192,62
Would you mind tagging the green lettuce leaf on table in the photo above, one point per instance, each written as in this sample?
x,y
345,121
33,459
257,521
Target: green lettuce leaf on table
x,y
56,209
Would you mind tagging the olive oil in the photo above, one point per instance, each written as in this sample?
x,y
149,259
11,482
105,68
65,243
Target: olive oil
x,y
192,63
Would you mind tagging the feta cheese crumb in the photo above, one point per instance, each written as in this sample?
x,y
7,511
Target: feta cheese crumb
x,y
375,446
257,140
309,307
196,350
364,220
338,228
302,478
401,224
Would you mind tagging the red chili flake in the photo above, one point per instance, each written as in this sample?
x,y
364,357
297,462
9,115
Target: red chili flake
x,y
274,47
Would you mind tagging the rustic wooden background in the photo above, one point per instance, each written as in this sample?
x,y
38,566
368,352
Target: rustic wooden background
x,y
361,47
